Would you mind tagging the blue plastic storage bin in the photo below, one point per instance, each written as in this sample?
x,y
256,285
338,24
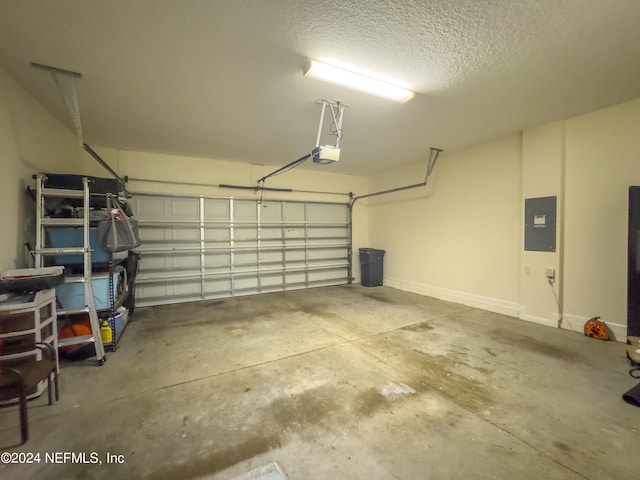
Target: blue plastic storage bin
x,y
74,237
71,295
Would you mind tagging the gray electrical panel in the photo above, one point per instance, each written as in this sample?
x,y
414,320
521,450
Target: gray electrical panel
x,y
540,224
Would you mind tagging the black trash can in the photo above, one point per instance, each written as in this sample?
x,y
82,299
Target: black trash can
x,y
371,267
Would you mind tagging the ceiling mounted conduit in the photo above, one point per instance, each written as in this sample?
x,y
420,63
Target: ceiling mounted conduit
x,y
433,157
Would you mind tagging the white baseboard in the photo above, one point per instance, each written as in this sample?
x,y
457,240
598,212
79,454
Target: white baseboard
x,y
547,322
472,300
570,322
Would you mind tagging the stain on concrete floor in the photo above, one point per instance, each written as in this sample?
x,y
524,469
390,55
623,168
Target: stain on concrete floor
x,y
419,327
311,407
563,447
437,373
380,298
368,402
535,345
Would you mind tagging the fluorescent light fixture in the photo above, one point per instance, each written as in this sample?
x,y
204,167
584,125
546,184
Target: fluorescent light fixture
x,y
357,81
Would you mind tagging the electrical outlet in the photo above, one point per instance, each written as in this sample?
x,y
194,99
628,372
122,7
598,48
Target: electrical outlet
x,y
551,274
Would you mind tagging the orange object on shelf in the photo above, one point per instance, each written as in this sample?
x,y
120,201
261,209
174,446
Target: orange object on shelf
x,y
76,328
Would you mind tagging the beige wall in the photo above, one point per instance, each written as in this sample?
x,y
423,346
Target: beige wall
x,y
588,162
602,161
31,141
542,176
459,238
462,237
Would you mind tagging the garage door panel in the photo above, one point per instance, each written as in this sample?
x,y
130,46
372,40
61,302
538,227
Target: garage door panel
x,y
170,263
153,291
272,280
151,207
326,213
327,232
168,292
205,247
326,275
271,233
217,234
174,261
292,256
157,262
244,233
326,254
182,234
294,212
246,283
186,261
221,259
169,235
154,235
217,209
186,287
271,212
294,232
246,258
185,208
295,278
271,257
271,244
221,286
245,210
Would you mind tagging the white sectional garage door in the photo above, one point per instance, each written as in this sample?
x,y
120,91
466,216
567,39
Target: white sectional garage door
x,y
197,247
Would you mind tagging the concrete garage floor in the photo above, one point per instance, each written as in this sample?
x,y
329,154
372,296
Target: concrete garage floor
x,y
340,383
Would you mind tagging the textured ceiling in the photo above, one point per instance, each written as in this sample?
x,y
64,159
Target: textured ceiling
x,y
223,78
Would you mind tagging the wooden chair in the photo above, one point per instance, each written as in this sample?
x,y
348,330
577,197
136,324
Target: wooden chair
x,y
17,380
